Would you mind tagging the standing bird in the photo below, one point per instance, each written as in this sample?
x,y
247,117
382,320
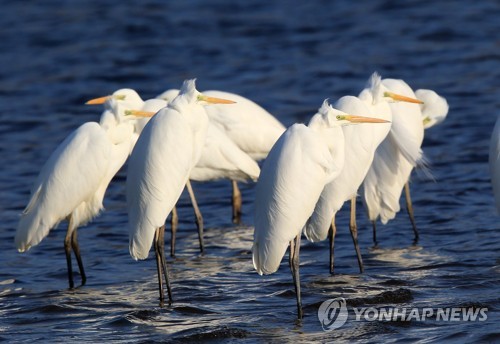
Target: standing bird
x,y
399,153
247,124
220,158
300,164
362,143
73,181
165,153
494,161
394,160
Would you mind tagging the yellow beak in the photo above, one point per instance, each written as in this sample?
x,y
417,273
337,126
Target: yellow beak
x,y
399,97
213,100
96,101
361,119
139,113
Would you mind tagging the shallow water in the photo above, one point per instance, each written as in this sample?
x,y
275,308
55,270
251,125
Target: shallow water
x,y
288,57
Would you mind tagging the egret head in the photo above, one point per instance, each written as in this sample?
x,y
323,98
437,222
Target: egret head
x,y
126,95
149,109
346,119
119,103
189,94
331,117
393,97
377,92
435,108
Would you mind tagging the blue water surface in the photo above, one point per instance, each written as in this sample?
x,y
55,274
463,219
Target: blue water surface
x,y
288,56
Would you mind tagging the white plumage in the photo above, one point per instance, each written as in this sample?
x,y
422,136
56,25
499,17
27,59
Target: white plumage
x,y
251,129
159,167
434,108
300,164
400,152
292,178
165,153
221,158
395,157
247,124
361,143
73,181
362,140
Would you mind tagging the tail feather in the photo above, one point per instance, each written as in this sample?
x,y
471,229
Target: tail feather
x,y
32,228
267,258
141,242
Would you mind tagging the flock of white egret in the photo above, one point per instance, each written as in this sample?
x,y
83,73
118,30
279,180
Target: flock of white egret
x,y
366,144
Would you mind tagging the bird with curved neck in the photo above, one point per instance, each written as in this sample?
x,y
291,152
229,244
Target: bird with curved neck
x,y
300,164
159,167
394,159
400,153
73,181
221,158
361,143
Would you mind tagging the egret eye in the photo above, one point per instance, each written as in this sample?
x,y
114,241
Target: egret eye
x,y
340,117
120,97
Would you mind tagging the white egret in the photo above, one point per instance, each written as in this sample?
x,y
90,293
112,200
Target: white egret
x,y
247,124
165,153
150,108
302,161
221,158
362,142
394,159
434,108
399,153
73,181
494,163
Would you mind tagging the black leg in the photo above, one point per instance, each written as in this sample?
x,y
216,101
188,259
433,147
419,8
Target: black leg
x,y
197,213
294,264
331,235
76,250
409,208
236,203
374,226
161,249
354,233
67,249
174,222
159,265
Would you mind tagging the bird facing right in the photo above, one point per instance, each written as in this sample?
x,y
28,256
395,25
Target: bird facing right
x,y
362,142
302,161
165,153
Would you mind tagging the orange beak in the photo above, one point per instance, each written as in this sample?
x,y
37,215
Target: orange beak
x,y
96,101
139,113
399,97
361,119
213,100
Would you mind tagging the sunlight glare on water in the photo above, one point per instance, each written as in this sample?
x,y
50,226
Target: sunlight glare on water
x,y
288,57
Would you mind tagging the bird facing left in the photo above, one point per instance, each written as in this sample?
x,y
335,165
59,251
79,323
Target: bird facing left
x,y
73,181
